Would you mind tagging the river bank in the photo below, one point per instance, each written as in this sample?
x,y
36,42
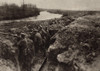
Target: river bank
x,y
44,15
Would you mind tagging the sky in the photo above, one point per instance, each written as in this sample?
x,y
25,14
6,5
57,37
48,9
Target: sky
x,y
60,4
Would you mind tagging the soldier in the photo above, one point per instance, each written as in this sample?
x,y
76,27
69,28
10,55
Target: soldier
x,y
37,41
17,38
45,37
42,32
26,49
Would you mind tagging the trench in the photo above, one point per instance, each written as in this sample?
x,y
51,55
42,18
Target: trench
x,y
42,64
40,61
48,64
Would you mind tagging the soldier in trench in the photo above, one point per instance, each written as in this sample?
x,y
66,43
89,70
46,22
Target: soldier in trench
x,y
38,40
45,38
25,56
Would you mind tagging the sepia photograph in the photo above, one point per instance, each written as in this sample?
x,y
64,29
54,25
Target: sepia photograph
x,y
49,35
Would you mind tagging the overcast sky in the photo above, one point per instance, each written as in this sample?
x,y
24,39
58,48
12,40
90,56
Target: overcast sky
x,y
61,4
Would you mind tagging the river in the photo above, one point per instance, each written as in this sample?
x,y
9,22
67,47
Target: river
x,y
44,15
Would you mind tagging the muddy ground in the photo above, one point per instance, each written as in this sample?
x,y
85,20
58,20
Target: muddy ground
x,y
7,38
61,29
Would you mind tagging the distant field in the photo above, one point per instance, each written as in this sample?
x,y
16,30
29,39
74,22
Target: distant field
x,y
72,13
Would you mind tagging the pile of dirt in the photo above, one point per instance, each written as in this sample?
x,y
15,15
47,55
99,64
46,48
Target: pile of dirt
x,y
77,44
7,65
7,51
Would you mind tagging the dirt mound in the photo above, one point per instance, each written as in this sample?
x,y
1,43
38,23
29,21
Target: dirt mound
x,y
90,20
6,65
77,43
7,51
